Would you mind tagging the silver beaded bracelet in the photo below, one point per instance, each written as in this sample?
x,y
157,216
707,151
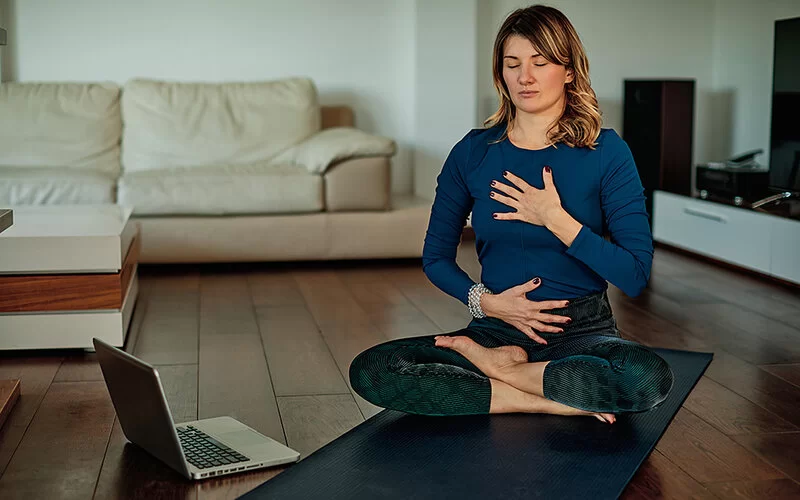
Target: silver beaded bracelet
x,y
474,299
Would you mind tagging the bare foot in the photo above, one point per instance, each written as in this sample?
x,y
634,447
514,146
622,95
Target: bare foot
x,y
490,361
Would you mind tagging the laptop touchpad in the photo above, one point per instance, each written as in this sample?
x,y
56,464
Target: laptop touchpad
x,y
241,439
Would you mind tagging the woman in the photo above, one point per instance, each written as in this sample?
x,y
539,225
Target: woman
x,y
542,181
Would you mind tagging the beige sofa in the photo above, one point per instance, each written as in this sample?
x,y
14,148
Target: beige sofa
x,y
247,171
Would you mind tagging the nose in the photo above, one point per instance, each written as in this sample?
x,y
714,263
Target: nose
x,y
526,75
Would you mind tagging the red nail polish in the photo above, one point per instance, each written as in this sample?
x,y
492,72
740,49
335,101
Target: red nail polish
x,y
505,172
568,321
536,281
494,183
494,215
547,169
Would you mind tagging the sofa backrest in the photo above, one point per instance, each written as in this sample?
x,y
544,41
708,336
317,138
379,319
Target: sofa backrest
x,y
74,125
172,124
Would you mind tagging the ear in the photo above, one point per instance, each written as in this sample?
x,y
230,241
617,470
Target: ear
x,y
570,75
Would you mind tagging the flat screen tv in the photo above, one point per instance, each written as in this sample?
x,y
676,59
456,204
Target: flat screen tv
x,y
784,162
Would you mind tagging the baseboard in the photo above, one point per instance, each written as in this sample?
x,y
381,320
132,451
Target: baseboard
x,y
727,265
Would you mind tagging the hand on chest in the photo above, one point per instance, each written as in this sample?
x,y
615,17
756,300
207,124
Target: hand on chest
x,y
526,190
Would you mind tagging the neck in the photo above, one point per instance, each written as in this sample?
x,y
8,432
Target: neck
x,y
531,128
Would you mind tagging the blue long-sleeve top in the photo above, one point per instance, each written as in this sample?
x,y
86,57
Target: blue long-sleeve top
x,y
599,188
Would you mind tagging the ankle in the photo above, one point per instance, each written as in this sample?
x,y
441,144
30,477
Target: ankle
x,y
509,399
510,374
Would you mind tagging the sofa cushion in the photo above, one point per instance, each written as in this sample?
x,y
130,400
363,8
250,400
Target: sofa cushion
x,y
170,124
321,150
73,125
218,190
55,186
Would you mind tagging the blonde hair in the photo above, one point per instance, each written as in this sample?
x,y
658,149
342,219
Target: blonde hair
x,y
554,37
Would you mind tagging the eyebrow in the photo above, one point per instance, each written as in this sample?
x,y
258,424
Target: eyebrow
x,y
515,57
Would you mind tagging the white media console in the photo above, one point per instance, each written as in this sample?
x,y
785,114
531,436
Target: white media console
x,y
762,242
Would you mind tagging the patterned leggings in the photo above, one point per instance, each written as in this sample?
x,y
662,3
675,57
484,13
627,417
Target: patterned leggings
x,y
592,368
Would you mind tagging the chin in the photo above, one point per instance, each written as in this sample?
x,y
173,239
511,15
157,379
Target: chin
x,y
528,106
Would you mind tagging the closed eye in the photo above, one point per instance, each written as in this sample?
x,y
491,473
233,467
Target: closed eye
x,y
517,66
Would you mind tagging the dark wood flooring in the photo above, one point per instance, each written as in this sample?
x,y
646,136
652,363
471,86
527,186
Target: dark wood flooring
x,y
271,346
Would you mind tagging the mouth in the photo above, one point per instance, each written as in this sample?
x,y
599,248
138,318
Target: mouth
x,y
528,93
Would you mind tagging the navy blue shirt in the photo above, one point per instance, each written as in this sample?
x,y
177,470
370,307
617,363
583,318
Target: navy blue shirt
x,y
599,188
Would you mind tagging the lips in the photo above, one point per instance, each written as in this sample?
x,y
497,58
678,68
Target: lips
x,y
528,93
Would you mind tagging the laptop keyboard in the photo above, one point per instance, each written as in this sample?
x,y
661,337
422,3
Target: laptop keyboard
x,y
203,451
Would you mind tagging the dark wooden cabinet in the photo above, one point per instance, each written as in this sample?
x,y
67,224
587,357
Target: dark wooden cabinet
x,y
658,125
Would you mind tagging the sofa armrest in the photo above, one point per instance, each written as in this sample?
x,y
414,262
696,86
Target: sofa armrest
x,y
335,144
358,184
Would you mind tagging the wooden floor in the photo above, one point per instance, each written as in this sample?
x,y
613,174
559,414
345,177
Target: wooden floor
x,y
271,346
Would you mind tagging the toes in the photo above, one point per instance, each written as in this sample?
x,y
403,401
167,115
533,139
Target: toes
x,y
444,341
462,345
606,417
455,342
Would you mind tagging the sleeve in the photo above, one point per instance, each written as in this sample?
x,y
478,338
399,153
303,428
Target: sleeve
x,y
451,206
626,259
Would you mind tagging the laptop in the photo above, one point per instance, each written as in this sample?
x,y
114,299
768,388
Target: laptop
x,y
198,449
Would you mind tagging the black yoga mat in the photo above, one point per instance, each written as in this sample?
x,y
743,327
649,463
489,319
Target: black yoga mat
x,y
398,455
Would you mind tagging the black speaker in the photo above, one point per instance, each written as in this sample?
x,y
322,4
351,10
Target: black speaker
x,y
658,125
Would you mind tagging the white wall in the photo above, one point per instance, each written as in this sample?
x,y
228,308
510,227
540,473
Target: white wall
x,y
358,52
742,76
446,84
3,24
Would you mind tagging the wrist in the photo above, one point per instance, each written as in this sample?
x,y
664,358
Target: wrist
x,y
555,217
564,226
486,301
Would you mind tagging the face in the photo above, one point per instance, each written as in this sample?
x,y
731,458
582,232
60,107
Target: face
x,y
535,85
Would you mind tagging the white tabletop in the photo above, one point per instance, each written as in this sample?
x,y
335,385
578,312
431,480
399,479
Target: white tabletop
x,y
66,238
70,220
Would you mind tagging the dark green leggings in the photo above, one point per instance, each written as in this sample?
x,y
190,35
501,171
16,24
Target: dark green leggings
x,y
592,368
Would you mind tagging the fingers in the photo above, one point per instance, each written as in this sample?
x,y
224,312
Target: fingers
x,y
506,200
530,332
552,318
518,182
529,285
506,216
551,304
545,328
527,330
505,188
547,177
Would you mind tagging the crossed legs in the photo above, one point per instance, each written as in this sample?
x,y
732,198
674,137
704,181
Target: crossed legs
x,y
517,385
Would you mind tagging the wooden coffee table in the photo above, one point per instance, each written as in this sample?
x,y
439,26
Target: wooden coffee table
x,y
67,274
9,389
